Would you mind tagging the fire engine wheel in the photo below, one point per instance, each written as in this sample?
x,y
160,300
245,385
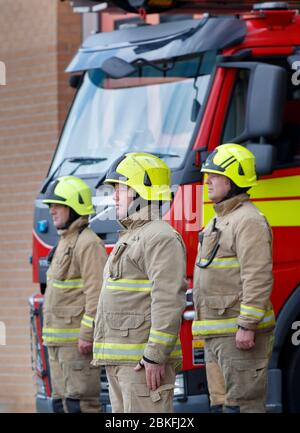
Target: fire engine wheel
x,y
291,379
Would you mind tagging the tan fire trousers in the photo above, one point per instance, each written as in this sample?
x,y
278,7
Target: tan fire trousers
x,y
129,393
73,377
238,377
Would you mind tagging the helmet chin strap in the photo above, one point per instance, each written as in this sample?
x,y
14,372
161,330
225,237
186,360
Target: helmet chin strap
x,y
137,204
72,217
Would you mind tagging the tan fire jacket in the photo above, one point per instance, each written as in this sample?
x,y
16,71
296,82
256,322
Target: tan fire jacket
x,y
143,295
74,280
234,289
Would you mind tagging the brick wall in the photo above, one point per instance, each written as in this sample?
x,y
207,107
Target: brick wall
x,y
37,40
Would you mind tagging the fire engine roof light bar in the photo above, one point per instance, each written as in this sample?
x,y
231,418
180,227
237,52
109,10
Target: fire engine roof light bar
x,y
100,7
270,6
87,6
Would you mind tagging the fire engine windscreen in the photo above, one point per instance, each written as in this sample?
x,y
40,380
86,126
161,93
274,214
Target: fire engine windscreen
x,y
150,111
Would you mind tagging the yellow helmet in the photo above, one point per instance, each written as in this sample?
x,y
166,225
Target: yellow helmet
x,y
71,191
146,174
233,161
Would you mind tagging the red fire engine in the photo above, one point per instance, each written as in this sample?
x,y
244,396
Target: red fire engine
x,y
178,88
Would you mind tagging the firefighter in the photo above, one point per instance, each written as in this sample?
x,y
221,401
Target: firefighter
x,y
232,285
143,295
74,281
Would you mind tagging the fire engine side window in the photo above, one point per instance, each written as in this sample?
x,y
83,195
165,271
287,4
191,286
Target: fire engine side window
x,y
235,118
288,143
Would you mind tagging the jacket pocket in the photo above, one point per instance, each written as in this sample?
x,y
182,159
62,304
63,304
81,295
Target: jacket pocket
x,y
160,400
82,379
217,305
123,322
142,390
255,365
69,315
115,260
247,379
208,244
61,265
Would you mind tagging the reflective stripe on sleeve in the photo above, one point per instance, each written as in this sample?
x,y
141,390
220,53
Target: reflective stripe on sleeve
x,y
256,313
60,335
162,337
176,352
87,321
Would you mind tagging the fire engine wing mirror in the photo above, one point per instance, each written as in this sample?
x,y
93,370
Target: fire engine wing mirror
x,y
265,157
265,100
116,68
75,81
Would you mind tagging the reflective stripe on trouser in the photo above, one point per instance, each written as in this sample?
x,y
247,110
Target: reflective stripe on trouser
x,y
244,371
129,393
129,285
73,377
127,352
222,262
227,326
60,335
74,283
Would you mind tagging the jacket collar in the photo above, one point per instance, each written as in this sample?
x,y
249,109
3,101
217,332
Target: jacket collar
x,y
141,217
74,227
228,206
